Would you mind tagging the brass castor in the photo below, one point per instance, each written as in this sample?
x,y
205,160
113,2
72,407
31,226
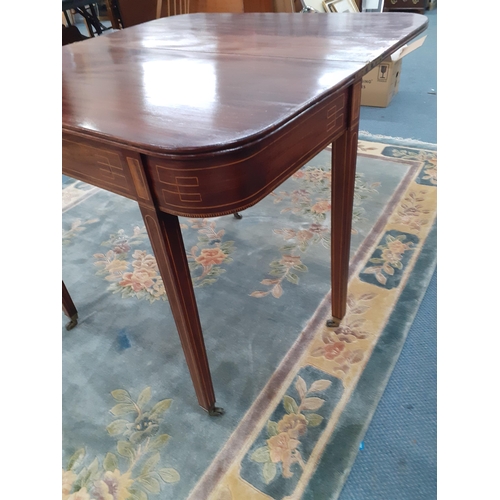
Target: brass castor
x,y
216,411
333,322
73,321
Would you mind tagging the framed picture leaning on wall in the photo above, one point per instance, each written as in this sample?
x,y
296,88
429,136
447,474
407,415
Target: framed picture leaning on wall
x,y
340,6
372,5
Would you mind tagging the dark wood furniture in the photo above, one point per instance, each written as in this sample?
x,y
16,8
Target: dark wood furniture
x,y
205,115
126,13
71,34
87,9
418,6
69,308
236,6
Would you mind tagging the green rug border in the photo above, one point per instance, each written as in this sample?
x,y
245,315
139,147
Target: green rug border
x,y
348,436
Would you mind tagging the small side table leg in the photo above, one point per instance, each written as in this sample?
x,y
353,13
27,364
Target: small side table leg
x,y
69,308
68,22
95,20
166,239
344,154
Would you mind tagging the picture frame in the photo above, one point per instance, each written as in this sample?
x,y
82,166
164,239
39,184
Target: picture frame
x,y
340,6
372,5
307,5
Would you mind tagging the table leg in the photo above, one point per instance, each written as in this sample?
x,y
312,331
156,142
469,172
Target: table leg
x,y
68,22
91,19
344,153
166,239
69,308
90,29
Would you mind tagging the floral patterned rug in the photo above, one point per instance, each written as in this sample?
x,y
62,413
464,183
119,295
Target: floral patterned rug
x,y
298,396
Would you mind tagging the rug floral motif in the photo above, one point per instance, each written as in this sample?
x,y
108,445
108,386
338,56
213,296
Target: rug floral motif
x,y
310,200
134,273
132,471
142,447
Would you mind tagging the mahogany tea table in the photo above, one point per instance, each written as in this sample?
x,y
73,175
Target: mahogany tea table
x,y
202,115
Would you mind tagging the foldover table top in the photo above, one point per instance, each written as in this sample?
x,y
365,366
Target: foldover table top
x,y
201,83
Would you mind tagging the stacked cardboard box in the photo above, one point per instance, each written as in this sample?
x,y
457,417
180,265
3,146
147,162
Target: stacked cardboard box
x,y
381,84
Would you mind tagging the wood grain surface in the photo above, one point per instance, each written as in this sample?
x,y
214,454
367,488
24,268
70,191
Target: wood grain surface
x,y
208,82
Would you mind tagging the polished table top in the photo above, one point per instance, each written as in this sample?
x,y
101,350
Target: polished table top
x,y
208,82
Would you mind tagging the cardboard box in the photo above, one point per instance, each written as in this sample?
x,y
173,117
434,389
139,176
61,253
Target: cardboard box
x,y
381,84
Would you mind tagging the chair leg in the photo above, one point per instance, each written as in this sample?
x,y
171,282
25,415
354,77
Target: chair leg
x,y
69,308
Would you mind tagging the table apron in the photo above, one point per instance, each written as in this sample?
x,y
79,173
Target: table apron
x,y
212,185
98,164
234,180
